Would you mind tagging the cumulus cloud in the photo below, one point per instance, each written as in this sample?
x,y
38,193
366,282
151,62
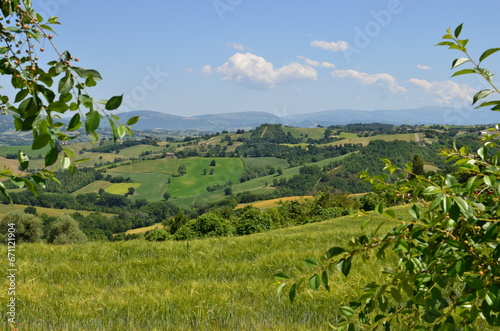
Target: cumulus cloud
x,y
383,80
328,65
446,92
236,46
331,45
254,71
206,70
314,63
423,67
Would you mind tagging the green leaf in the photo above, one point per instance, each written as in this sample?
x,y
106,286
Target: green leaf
x,y
132,120
65,84
310,262
4,192
51,157
481,94
75,122
344,265
464,72
488,53
379,208
58,106
415,212
334,251
435,203
315,282
347,311
114,102
459,62
292,293
86,73
458,30
40,141
92,121
65,162
324,278
23,159
280,288
280,276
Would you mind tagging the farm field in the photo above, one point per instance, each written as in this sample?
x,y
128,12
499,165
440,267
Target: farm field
x,y
93,187
210,284
121,188
5,209
272,202
265,161
257,185
351,138
313,133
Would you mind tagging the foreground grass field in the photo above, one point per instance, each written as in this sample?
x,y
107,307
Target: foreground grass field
x,y
212,284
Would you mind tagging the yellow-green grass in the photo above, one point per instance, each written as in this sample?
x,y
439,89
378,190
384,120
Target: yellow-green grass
x,y
161,166
313,133
257,185
265,161
135,151
121,188
354,139
5,209
145,229
93,187
272,202
93,159
4,150
210,284
194,182
152,185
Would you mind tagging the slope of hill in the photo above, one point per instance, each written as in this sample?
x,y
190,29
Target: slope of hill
x,y
221,278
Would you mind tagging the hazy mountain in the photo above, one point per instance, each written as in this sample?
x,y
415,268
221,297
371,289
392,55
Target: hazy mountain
x,y
150,120
213,122
424,115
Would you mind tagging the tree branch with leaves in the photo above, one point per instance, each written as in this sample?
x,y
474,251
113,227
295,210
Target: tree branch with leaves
x,y
448,271
43,93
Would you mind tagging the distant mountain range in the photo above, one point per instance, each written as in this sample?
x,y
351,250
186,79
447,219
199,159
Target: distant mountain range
x,y
150,120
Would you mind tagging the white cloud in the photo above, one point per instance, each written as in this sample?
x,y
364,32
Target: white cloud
x,y
314,63
330,45
206,70
423,67
189,70
254,71
236,46
328,65
383,80
446,92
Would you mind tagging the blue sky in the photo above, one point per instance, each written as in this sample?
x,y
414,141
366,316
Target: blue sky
x,y
197,57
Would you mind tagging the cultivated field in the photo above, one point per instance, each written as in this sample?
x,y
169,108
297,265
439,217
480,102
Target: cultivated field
x,y
213,284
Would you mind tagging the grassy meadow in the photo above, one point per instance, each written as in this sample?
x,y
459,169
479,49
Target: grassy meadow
x,y
209,284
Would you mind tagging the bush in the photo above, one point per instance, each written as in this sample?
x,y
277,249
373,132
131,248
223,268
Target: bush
x,y
207,225
28,227
65,230
253,221
156,235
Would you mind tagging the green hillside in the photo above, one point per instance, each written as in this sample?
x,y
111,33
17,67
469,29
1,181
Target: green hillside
x,y
213,284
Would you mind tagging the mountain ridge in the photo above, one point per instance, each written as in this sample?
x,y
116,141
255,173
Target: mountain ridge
x,y
246,120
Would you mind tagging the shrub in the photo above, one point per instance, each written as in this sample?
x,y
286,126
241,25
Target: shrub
x,y
156,235
207,225
65,230
28,227
253,221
